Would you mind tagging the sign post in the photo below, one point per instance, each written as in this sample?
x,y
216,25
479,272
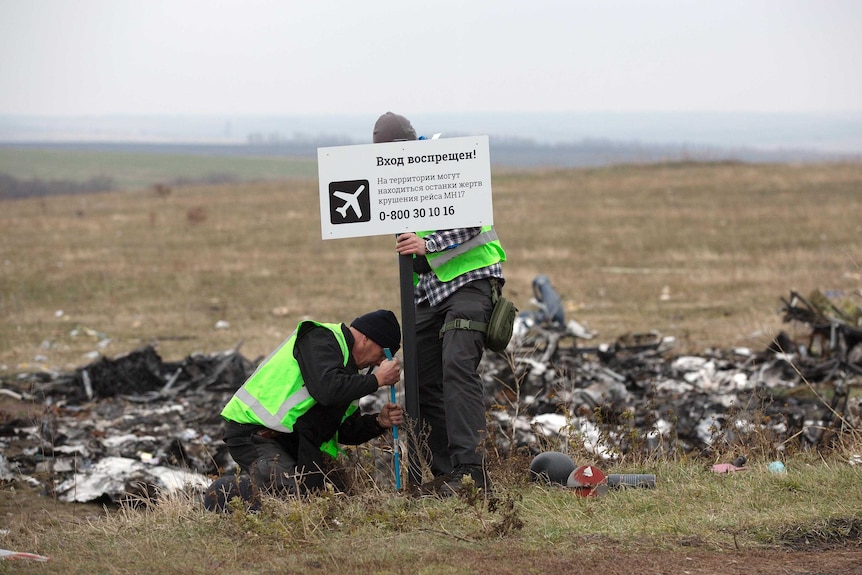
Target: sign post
x,y
390,188
411,360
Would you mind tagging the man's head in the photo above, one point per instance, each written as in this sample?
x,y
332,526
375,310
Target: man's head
x,y
392,128
382,328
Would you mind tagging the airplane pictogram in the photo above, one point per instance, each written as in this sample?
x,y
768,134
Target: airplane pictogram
x,y
351,201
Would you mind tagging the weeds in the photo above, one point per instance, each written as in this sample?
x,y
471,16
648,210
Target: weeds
x,y
130,266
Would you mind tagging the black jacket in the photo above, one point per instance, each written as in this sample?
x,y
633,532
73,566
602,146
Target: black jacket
x,y
334,386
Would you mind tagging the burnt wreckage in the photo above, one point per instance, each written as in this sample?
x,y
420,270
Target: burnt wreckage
x,y
134,426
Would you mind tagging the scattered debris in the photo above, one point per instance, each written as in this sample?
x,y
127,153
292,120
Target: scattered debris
x,y
557,468
5,554
135,426
129,427
737,465
119,479
629,480
588,481
836,326
549,387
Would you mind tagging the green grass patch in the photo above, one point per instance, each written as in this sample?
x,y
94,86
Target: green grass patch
x,y
135,170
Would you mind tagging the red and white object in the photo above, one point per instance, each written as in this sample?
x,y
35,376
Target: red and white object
x,y
588,481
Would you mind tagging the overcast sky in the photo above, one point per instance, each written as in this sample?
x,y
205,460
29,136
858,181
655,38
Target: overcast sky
x,y
60,57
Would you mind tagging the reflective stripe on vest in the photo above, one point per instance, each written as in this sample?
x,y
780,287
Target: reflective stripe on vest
x,y
293,399
478,252
273,420
448,255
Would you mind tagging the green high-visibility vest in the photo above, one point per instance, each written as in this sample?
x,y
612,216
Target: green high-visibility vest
x,y
275,395
480,251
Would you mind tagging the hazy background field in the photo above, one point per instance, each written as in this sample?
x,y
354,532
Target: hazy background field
x,y
610,105
700,252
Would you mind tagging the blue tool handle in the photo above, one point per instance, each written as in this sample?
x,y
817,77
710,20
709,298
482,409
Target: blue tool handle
x,y
397,459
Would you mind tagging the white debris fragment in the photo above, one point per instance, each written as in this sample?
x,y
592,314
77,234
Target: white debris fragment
x,y
18,555
576,329
550,423
116,477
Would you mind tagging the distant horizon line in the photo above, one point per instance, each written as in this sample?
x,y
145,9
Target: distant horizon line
x,y
432,113
834,132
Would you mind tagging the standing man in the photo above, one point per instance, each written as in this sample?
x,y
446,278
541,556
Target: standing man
x,y
455,273
301,402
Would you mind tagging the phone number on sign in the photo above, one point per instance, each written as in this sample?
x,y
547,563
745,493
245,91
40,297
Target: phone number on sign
x,y
417,213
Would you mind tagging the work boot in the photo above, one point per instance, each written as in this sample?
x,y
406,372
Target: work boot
x,y
463,479
433,487
218,496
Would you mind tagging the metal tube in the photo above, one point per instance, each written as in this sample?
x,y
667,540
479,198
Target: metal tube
x,y
626,480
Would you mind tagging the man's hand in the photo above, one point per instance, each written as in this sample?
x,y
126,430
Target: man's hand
x,y
388,372
410,244
390,415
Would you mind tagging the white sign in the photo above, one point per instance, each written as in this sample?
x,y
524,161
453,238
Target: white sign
x,y
380,189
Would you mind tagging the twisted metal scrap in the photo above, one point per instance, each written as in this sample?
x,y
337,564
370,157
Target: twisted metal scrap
x,y
554,387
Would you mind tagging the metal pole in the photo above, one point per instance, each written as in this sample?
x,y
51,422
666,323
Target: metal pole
x,y
410,364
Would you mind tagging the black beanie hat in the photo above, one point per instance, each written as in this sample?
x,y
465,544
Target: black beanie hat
x,y
381,327
390,127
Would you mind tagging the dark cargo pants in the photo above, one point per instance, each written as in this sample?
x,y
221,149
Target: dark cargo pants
x,y
451,397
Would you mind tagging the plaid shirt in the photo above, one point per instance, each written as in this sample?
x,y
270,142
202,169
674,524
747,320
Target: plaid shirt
x,y
434,291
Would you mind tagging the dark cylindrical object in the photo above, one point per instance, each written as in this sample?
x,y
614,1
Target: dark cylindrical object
x,y
625,480
552,467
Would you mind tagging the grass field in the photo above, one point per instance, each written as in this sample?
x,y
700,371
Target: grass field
x,y
805,522
135,170
701,252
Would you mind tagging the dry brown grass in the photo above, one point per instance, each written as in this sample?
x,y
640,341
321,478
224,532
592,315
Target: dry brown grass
x,y
722,242
694,521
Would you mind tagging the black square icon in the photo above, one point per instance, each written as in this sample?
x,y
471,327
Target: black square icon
x,y
349,202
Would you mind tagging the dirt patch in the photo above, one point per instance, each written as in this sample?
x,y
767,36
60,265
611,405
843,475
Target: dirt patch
x,y
24,506
833,533
609,560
